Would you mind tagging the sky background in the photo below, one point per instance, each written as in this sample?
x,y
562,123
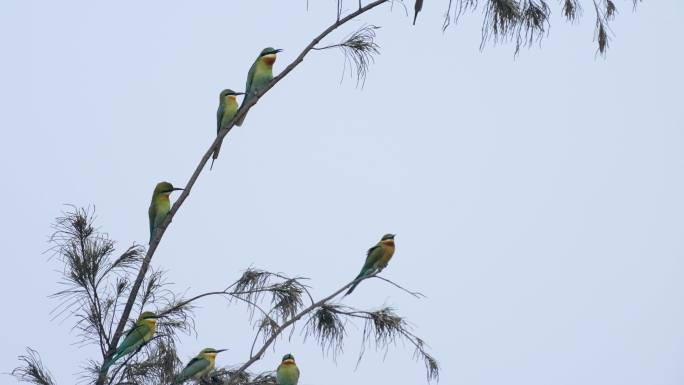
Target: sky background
x,y
537,200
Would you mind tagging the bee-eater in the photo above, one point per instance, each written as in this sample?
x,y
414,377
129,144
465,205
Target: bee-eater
x,y
260,74
160,205
377,259
139,335
288,372
199,366
226,111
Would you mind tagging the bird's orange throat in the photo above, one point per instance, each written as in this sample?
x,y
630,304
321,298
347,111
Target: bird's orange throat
x,y
269,59
388,242
151,323
289,361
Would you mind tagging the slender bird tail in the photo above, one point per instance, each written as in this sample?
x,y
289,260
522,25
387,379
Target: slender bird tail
x,y
357,281
178,379
351,289
109,363
216,154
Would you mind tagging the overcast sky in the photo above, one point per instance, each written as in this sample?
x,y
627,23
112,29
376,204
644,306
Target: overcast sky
x,y
537,200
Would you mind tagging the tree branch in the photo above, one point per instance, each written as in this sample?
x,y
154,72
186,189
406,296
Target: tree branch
x,y
416,294
323,302
254,358
159,233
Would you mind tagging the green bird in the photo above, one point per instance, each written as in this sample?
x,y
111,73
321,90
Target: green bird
x,y
377,259
161,205
199,366
288,372
226,111
139,335
260,74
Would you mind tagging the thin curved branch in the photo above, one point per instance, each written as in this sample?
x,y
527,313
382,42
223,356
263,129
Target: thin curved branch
x,y
282,328
159,233
234,294
416,294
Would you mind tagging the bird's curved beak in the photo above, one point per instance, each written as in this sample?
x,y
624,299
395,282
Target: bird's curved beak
x,y
177,189
394,235
277,50
221,350
239,93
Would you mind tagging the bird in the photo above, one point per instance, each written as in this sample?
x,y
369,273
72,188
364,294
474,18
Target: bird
x,y
377,259
199,366
226,111
287,372
160,205
140,334
259,75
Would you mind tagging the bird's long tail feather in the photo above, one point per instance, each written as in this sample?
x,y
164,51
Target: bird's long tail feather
x,y
357,280
215,155
351,289
111,362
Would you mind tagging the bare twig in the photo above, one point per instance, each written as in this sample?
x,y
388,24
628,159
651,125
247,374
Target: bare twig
x,y
416,294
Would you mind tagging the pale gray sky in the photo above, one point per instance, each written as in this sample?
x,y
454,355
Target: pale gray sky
x,y
537,201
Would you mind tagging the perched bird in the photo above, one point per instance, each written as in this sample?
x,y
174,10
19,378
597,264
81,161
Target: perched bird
x,y
199,366
377,258
139,335
288,372
160,205
226,111
260,74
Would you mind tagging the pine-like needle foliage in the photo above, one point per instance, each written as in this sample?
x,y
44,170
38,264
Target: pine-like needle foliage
x,y
572,10
359,49
233,377
97,283
32,370
605,13
527,21
95,279
327,326
381,329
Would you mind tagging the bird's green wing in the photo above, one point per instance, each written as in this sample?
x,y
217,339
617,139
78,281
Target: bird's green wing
x,y
134,338
219,116
372,258
152,213
137,332
250,78
193,367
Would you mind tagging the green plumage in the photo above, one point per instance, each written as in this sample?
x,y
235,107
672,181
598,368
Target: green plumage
x,y
227,109
287,372
160,205
259,75
376,259
201,365
140,334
